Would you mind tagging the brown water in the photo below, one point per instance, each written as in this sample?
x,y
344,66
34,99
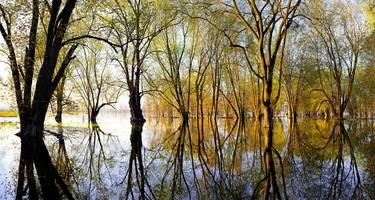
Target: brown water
x,y
205,159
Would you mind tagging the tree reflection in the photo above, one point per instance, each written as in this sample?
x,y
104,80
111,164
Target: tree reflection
x,y
176,162
206,161
204,158
136,167
94,162
271,156
34,153
61,158
340,175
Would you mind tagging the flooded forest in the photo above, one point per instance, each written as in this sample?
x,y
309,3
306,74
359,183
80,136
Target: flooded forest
x,y
187,99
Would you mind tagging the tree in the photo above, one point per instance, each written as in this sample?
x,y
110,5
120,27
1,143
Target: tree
x,y
175,58
93,80
32,111
268,22
338,37
135,24
294,71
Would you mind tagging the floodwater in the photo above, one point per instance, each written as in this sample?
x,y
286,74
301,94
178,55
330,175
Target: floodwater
x,y
204,159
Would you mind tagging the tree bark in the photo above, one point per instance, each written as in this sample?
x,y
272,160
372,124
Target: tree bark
x,y
59,100
135,106
93,115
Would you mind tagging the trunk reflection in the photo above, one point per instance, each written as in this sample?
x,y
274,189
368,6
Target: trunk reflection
x,y
202,158
135,168
34,153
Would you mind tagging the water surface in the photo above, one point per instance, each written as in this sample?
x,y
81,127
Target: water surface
x,y
204,159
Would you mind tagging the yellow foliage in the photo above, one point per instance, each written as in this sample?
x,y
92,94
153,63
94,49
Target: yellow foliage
x,y
369,10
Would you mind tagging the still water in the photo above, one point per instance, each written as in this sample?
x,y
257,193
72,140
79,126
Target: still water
x,y
204,159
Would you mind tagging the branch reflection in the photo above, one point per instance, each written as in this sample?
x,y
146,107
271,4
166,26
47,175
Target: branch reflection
x,y
52,186
136,167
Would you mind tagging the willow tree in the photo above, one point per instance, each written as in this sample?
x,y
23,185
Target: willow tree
x,y
338,33
294,72
268,23
134,25
93,80
32,110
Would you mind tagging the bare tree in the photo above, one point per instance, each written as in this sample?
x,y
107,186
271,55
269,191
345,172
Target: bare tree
x,y
175,59
92,76
135,24
338,36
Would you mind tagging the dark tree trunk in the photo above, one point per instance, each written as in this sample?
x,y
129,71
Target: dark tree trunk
x,y
33,110
185,116
135,107
59,100
93,115
292,114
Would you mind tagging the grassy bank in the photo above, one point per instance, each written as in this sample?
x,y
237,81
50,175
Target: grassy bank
x,y
8,113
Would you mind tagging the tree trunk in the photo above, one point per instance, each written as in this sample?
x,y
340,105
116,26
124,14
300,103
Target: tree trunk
x,y
59,100
269,165
93,115
135,107
59,107
292,114
185,116
339,111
